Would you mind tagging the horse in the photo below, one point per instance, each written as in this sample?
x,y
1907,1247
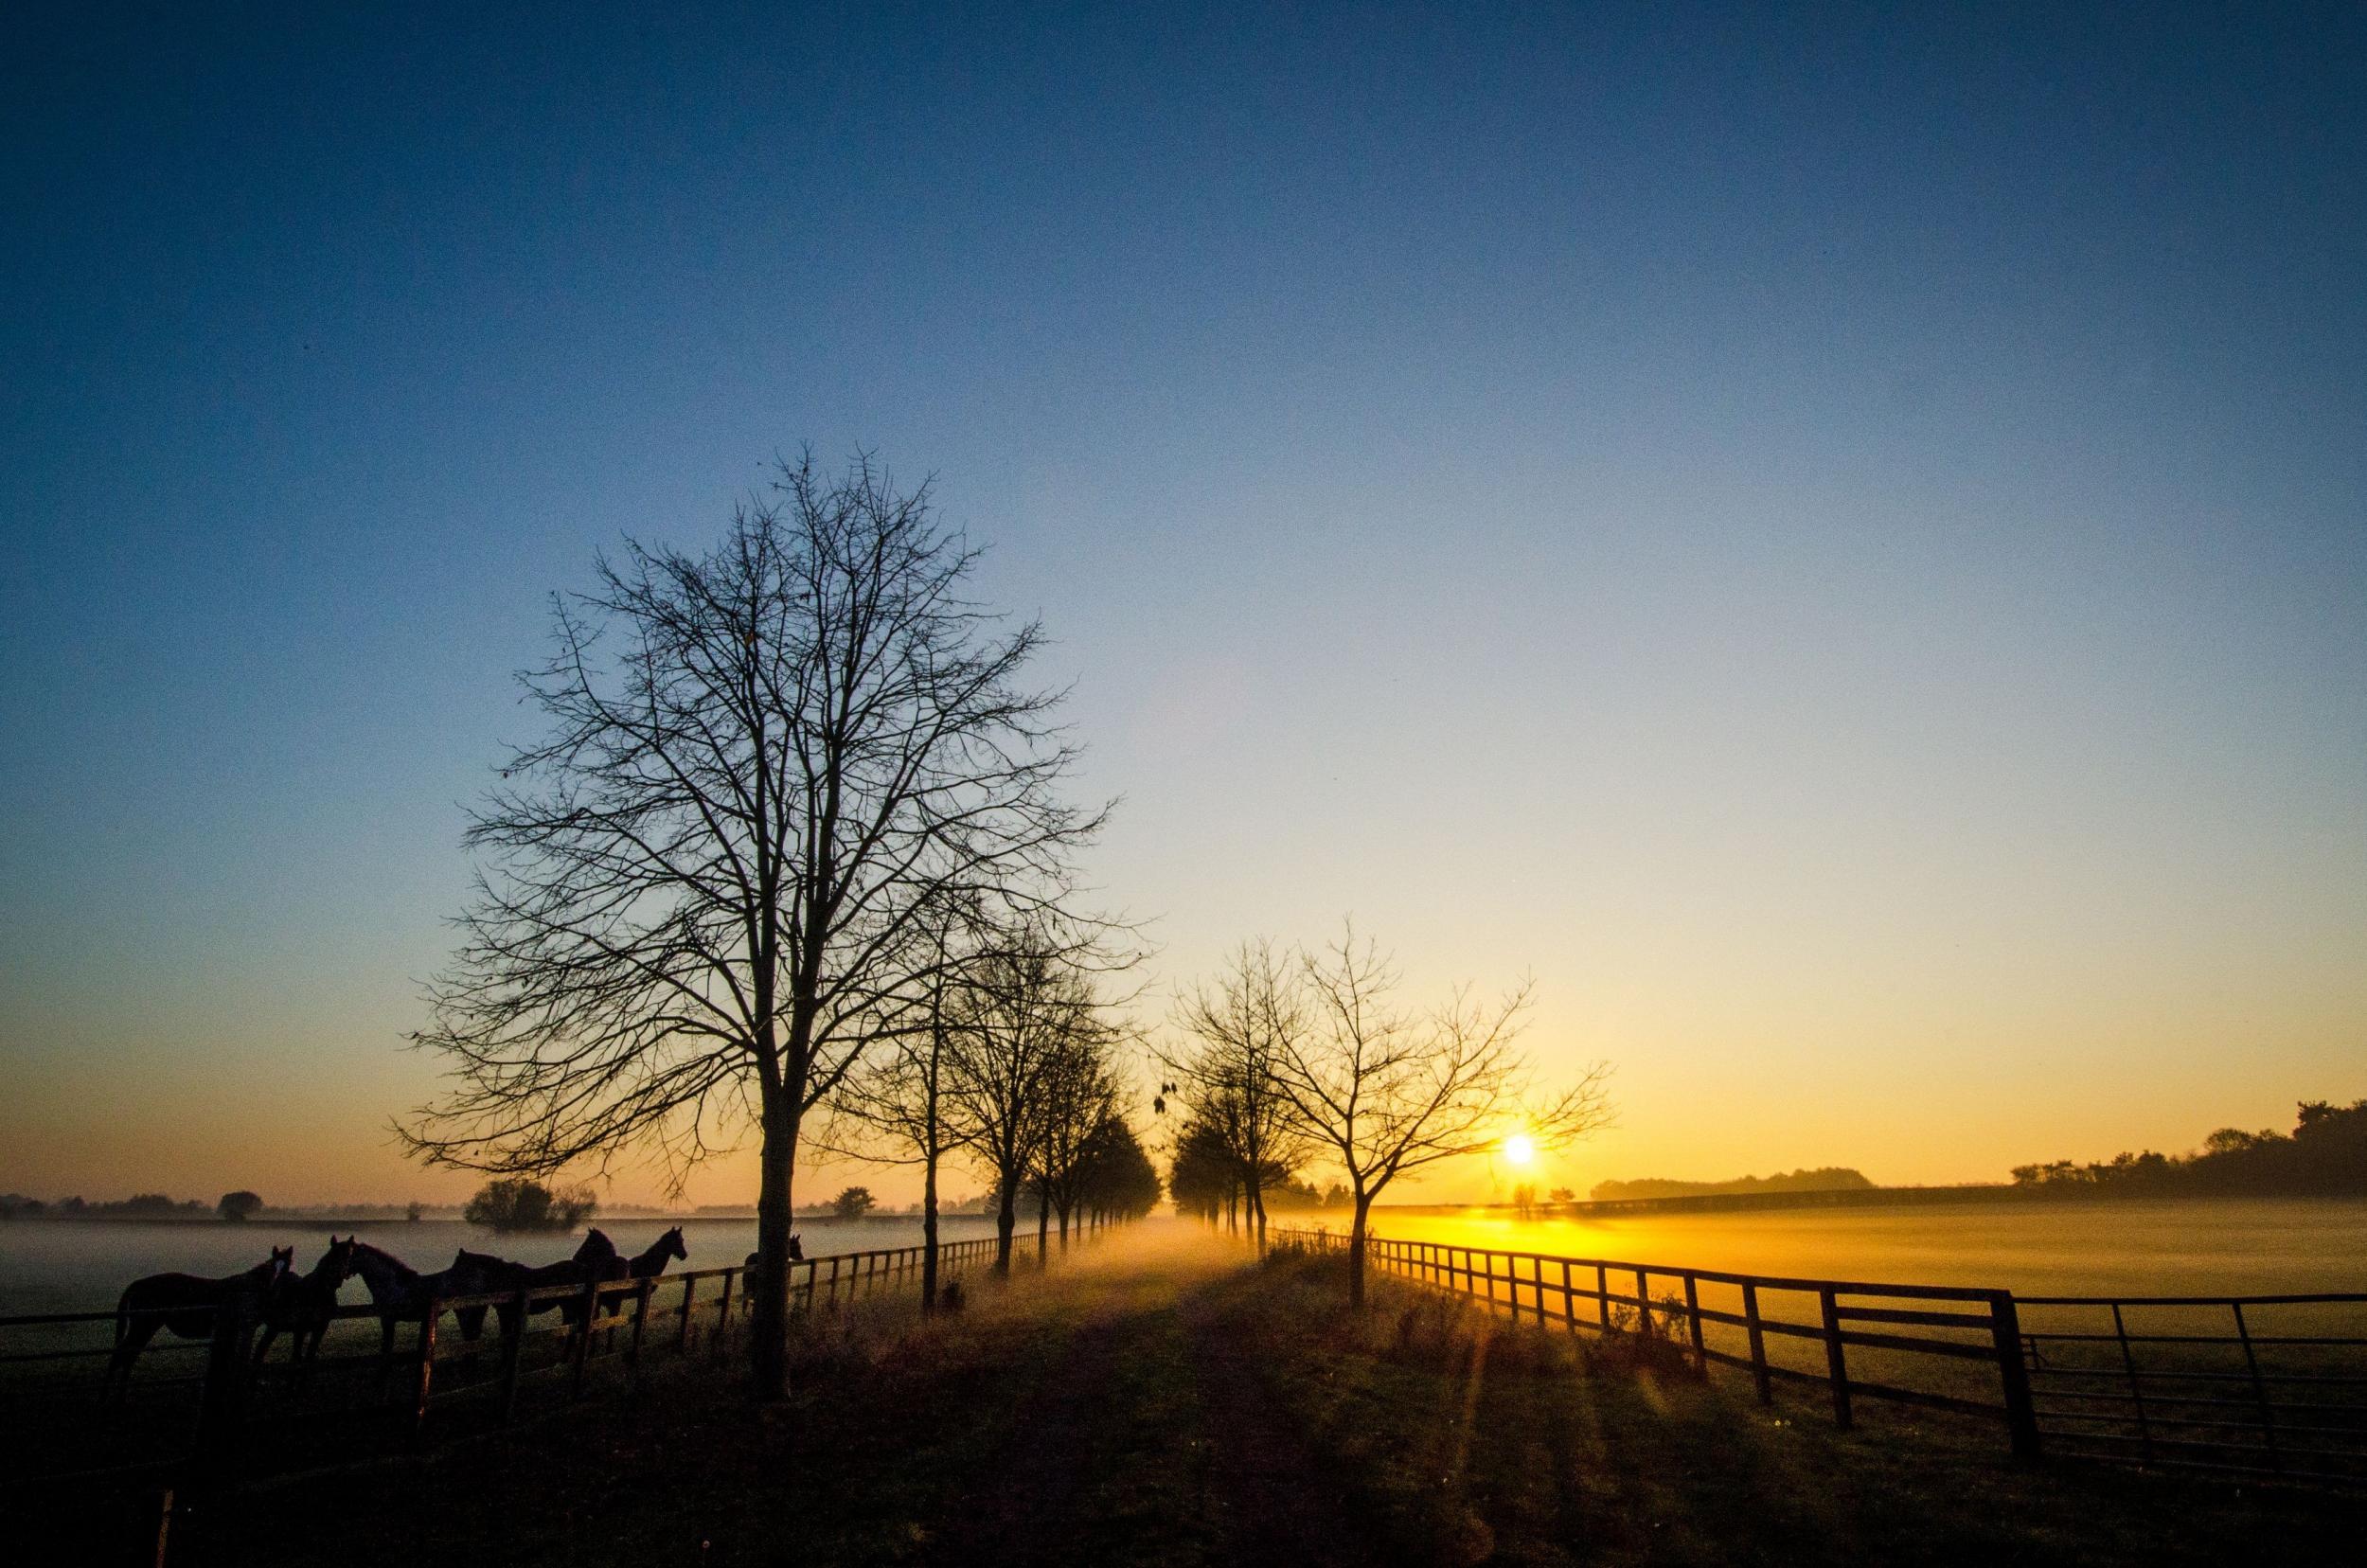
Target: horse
x,y
188,1304
754,1267
401,1292
651,1261
305,1306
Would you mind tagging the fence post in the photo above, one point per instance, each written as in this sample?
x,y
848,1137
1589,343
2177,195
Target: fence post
x,y
682,1333
2260,1390
1602,1295
1836,1364
2022,1413
223,1396
424,1383
1569,1299
583,1337
1692,1311
513,1340
724,1311
640,1317
1642,1305
1759,1344
2136,1388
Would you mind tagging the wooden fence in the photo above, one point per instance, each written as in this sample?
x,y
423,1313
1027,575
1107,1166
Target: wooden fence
x,y
45,1363
2291,1403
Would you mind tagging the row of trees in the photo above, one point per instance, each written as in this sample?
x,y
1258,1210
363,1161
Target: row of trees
x,y
1009,1061
794,837
2326,1153
1294,1056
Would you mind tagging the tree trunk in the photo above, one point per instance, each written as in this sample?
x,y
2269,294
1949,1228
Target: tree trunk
x,y
1356,1251
1044,1225
929,1232
770,1351
1064,1227
1005,1222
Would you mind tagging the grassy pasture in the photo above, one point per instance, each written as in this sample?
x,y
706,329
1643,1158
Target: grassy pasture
x,y
1165,1404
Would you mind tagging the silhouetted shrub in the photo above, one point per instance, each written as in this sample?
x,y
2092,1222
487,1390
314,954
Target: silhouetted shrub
x,y
516,1204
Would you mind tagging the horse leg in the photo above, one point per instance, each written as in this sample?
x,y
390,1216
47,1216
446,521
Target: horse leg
x,y
132,1337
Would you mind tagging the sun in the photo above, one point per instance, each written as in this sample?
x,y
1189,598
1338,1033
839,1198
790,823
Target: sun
x,y
1520,1149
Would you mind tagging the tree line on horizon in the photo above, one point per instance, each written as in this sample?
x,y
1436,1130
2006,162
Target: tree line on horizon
x,y
2325,1154
1823,1179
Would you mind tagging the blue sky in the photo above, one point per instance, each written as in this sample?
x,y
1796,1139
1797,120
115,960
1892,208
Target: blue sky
x,y
1837,541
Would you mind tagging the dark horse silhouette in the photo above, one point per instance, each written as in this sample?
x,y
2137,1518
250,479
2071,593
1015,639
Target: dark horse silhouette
x,y
186,1304
304,1305
401,1292
649,1263
754,1267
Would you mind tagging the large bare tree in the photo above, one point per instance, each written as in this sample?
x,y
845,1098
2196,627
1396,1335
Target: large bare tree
x,y
766,766
1386,1091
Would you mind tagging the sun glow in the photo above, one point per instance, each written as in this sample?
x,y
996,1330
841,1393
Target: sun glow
x,y
1520,1149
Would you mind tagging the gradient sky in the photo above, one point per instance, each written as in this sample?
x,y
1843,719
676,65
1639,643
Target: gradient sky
x,y
1835,541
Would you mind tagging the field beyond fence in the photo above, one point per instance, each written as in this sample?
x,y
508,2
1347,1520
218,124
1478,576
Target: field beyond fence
x,y
2273,1386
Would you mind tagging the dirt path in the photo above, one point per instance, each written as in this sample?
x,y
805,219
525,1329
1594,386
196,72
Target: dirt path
x,y
1152,1441
1276,1498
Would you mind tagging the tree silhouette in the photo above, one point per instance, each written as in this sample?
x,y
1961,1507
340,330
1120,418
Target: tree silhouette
x,y
766,766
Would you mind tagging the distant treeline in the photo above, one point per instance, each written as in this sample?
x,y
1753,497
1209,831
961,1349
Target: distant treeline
x,y
236,1205
2326,1153
146,1206
1824,1178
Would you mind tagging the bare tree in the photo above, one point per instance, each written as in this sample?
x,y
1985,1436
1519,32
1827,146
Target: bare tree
x,y
1025,1006
896,1108
766,765
1385,1092
1240,1026
1078,1102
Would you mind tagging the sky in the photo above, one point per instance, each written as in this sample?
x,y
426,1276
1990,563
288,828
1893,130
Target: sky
x,y
1834,542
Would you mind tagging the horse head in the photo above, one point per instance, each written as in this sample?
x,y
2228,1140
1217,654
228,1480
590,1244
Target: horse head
x,y
597,1247
336,1265
282,1261
671,1245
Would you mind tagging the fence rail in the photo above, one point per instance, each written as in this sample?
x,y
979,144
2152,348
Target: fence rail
x,y
430,1378
2067,1373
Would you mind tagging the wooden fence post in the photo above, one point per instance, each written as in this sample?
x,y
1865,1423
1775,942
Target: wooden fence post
x,y
2022,1413
424,1384
1836,1366
2136,1387
583,1337
723,1311
221,1399
513,1340
1693,1311
640,1317
682,1332
1602,1295
1569,1300
1642,1305
1759,1344
2260,1390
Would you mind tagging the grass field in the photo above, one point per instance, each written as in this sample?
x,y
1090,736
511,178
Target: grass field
x,y
1171,1404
